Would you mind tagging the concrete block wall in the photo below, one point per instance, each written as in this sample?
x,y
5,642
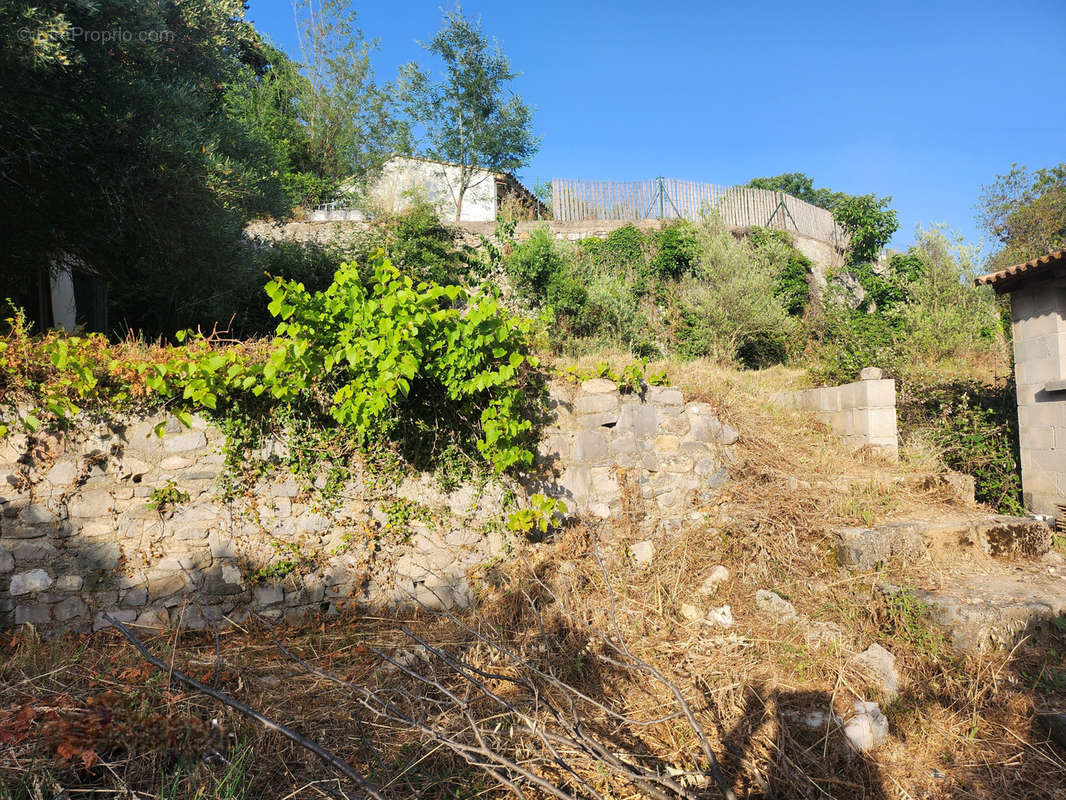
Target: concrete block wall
x,y
78,536
1037,312
861,414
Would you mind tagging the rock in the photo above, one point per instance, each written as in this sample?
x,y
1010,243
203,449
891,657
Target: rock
x,y
1056,727
598,386
183,442
135,598
728,435
867,728
638,419
715,578
172,463
62,474
35,580
866,548
721,617
691,613
37,614
880,664
870,374
590,446
269,595
824,633
663,396
7,561
93,503
70,608
36,514
774,605
69,583
156,618
595,403
643,552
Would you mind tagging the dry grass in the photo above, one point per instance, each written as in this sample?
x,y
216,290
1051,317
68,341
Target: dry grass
x,y
961,727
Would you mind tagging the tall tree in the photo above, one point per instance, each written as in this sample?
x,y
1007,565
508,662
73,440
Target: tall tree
x,y
470,117
351,120
116,147
1026,212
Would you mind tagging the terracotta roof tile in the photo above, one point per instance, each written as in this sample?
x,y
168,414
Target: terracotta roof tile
x,y
1005,279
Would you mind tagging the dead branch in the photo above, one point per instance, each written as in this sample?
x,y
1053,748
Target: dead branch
x,y
369,790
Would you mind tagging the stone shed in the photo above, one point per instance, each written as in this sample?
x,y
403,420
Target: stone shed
x,y
1038,322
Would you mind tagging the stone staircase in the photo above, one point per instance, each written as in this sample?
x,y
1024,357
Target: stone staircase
x,y
994,578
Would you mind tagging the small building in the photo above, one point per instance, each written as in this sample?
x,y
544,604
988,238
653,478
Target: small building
x,y
404,178
1038,323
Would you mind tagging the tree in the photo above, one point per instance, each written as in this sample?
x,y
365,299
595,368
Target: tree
x,y
1025,212
800,186
350,120
119,149
869,224
470,117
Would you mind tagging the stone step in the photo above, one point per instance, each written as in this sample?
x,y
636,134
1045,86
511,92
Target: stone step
x,y
943,540
995,611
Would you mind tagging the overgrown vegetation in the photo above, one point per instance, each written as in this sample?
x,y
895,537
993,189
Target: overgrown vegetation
x,y
692,289
379,356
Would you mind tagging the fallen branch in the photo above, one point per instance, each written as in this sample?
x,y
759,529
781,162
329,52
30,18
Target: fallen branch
x,y
334,761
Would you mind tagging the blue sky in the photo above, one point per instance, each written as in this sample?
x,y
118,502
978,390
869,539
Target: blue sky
x,y
923,101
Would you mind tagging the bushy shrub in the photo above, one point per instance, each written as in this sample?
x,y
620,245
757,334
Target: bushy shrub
x,y
791,286
925,313
676,250
417,242
393,353
534,263
307,190
624,248
727,307
568,297
615,306
975,428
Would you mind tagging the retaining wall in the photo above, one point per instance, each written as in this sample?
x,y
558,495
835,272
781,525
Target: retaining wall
x,y
78,536
861,414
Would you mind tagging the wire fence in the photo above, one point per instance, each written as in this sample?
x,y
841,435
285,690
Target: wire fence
x,y
667,198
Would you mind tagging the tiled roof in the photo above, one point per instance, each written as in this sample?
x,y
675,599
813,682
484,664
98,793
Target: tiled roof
x,y
1006,279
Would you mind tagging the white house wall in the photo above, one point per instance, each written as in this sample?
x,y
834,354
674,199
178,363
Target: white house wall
x,y
403,178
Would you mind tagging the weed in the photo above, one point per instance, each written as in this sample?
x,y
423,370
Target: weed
x,y
167,497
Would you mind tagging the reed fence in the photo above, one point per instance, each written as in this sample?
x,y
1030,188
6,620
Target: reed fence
x,y
667,198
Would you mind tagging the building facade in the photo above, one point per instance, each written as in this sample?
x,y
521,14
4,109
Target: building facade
x,y
1038,322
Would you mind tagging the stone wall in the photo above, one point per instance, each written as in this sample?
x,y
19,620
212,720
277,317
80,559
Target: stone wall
x,y
861,414
78,535
643,456
1038,312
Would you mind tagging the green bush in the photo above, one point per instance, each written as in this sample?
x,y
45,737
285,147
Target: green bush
x,y
417,242
568,297
676,250
791,285
975,427
624,248
534,263
923,315
392,354
727,308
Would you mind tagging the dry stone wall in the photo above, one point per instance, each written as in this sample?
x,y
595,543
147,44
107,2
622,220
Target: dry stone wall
x,y
79,534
